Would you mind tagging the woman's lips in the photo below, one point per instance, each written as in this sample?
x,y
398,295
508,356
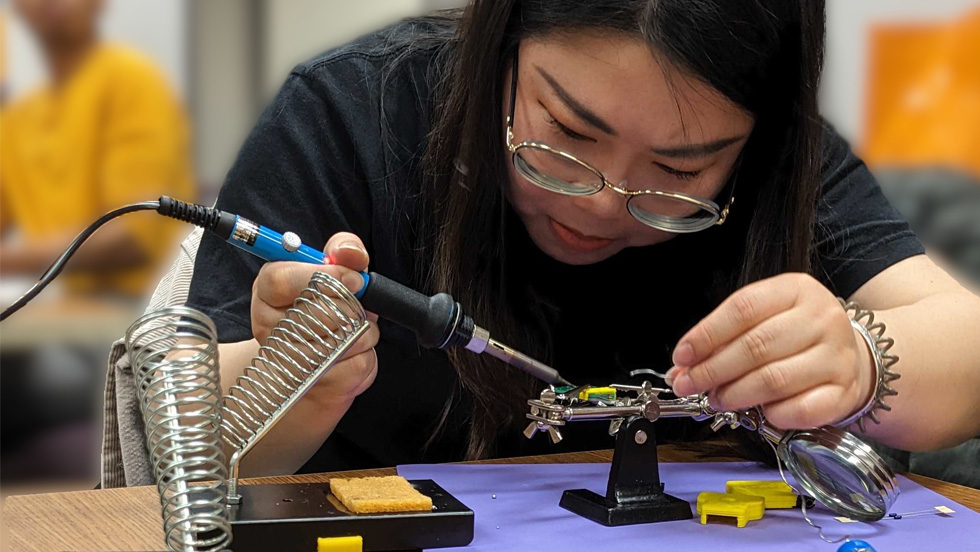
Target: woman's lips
x,y
576,240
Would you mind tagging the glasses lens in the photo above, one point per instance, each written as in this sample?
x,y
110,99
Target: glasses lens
x,y
673,213
555,172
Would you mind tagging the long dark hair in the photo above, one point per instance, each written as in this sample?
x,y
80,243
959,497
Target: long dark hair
x,y
764,55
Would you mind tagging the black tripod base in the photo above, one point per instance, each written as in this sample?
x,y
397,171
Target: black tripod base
x,y
599,509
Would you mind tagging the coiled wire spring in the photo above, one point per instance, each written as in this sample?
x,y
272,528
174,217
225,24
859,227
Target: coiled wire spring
x,y
174,354
325,320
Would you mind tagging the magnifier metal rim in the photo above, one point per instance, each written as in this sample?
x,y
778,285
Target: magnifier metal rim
x,y
867,466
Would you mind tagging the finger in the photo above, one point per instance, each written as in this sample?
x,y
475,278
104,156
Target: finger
x,y
815,407
673,374
279,284
366,342
743,310
346,249
781,336
775,381
264,318
348,378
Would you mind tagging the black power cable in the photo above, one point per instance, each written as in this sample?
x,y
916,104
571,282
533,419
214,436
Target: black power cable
x,y
55,269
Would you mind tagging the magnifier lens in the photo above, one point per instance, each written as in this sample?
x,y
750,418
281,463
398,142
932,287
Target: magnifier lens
x,y
840,472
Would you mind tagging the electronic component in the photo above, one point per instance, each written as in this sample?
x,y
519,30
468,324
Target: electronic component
x,y
777,494
744,508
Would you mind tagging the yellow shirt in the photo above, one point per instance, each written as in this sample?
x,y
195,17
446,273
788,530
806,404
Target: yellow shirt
x,y
113,134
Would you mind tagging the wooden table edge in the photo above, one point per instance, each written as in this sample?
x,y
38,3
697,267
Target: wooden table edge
x,y
95,517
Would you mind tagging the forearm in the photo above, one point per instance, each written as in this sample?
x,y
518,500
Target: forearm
x,y
938,401
27,258
298,435
111,247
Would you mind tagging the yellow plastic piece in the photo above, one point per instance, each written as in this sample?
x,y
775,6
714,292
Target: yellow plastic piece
x,y
597,392
744,508
775,493
339,544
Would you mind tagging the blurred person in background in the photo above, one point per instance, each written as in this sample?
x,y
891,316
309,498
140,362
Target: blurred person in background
x,y
3,61
107,130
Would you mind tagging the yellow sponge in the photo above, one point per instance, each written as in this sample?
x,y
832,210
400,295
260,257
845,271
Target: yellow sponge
x,y
775,493
744,508
339,544
371,495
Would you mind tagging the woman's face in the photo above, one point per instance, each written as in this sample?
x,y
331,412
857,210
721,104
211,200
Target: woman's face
x,y
609,101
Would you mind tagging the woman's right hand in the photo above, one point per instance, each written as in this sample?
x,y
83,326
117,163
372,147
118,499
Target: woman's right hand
x,y
279,284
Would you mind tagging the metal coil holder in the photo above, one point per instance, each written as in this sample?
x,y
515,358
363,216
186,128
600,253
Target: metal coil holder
x,y
174,354
325,320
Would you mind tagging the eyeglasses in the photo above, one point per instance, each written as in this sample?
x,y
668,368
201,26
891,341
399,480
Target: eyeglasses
x,y
561,172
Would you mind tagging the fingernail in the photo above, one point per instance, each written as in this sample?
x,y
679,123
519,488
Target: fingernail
x,y
669,376
684,355
353,246
352,281
682,385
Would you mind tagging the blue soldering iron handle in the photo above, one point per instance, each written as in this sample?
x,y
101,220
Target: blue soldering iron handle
x,y
437,321
266,243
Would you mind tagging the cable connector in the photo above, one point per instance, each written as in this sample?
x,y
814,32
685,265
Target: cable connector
x,y
209,218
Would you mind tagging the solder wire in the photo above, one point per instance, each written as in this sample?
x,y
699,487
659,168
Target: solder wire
x,y
810,522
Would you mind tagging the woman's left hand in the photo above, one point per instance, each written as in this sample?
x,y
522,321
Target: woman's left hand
x,y
784,343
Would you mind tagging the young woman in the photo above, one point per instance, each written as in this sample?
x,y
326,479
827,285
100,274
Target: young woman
x,y
606,185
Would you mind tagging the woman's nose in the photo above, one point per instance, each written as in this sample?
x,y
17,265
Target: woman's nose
x,y
608,204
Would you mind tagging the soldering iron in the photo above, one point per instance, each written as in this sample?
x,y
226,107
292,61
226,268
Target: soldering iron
x,y
438,322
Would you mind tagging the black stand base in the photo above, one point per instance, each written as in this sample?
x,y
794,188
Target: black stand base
x,y
293,516
634,493
611,514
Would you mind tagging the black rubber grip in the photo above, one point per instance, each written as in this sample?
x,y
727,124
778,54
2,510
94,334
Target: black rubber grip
x,y
208,218
436,321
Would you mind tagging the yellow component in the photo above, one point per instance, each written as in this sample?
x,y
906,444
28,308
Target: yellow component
x,y
776,494
604,393
744,508
339,544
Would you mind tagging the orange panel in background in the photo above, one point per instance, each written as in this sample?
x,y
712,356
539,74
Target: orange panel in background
x,y
923,103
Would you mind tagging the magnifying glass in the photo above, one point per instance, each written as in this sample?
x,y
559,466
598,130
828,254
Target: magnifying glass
x,y
838,470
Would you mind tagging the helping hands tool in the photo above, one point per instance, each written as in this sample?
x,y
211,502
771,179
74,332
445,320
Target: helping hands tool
x,y
833,466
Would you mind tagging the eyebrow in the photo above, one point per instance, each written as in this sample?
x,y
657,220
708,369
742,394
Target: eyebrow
x,y
583,112
687,151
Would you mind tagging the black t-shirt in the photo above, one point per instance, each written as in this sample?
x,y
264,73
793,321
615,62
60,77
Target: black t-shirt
x,y
339,150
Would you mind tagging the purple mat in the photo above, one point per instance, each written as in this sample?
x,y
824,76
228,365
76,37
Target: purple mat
x,y
528,516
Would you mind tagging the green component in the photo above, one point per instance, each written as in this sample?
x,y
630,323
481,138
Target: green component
x,y
606,397
563,389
